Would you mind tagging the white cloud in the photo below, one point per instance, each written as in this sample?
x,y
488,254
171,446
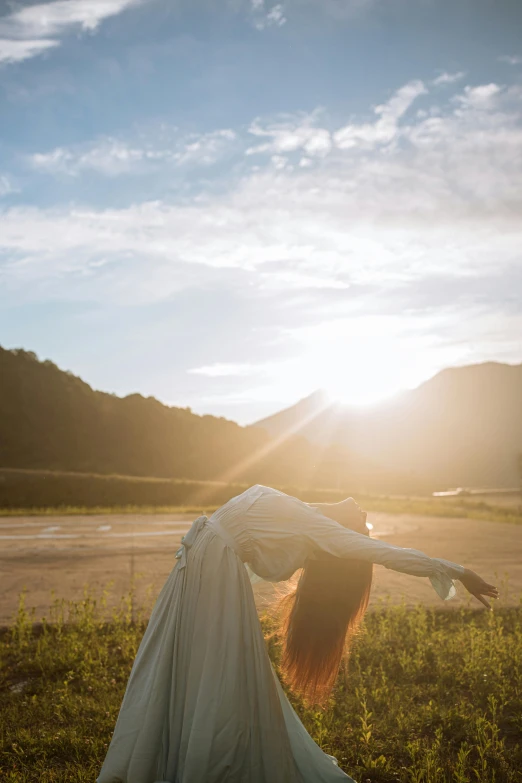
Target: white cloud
x,y
267,17
6,186
445,201
285,135
448,78
279,162
112,157
318,143
34,29
290,135
276,16
204,148
301,275
511,59
479,97
222,370
385,129
15,51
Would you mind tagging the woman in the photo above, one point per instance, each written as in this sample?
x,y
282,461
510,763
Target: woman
x,y
203,703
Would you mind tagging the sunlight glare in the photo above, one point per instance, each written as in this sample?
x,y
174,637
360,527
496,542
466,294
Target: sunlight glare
x,y
365,360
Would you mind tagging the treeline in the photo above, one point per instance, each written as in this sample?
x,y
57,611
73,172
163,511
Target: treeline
x,y
52,420
39,489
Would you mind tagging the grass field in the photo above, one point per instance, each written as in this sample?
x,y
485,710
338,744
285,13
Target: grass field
x,y
51,493
428,697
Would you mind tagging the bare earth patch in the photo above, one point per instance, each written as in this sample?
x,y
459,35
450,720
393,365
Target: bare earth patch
x,y
65,554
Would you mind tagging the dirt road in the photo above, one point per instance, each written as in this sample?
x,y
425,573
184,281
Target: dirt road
x,y
63,554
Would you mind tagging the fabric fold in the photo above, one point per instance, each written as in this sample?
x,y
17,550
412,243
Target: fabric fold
x,y
188,540
443,578
443,585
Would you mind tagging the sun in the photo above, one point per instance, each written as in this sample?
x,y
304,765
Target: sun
x,y
369,389
365,361
373,370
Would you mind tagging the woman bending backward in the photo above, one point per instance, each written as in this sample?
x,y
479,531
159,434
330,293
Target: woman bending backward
x,y
203,703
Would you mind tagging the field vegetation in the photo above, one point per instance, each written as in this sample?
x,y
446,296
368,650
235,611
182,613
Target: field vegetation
x,y
427,697
39,492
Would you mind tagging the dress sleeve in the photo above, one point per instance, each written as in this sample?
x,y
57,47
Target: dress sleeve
x,y
325,535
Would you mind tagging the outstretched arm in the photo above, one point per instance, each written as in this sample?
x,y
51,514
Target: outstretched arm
x,y
326,535
342,542
398,557
356,519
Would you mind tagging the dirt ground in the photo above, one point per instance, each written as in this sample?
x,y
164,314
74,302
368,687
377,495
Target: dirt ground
x,y
40,555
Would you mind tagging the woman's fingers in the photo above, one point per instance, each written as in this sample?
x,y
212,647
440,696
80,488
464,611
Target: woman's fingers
x,y
482,600
490,587
484,587
479,588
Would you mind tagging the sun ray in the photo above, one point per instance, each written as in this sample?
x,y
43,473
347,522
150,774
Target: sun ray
x,y
228,476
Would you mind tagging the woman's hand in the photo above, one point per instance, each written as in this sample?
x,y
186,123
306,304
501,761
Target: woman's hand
x,y
475,585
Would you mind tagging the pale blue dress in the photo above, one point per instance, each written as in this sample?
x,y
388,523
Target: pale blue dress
x,y
203,703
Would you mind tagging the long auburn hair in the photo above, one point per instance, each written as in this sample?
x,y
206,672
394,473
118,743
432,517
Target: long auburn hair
x,y
318,622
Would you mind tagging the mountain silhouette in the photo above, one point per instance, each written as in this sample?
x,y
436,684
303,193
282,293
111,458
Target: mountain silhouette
x,y
53,420
461,427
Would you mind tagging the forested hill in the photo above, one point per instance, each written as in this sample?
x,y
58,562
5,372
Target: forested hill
x,y
51,419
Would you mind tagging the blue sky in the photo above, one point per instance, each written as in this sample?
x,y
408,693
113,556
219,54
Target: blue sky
x,y
229,204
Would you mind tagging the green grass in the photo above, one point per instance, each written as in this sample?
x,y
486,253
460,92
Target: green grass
x,y
428,697
436,507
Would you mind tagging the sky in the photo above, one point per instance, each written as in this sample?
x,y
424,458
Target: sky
x,y
227,204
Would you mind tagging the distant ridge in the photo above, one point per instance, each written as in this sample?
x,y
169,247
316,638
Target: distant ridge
x,y
461,427
53,420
